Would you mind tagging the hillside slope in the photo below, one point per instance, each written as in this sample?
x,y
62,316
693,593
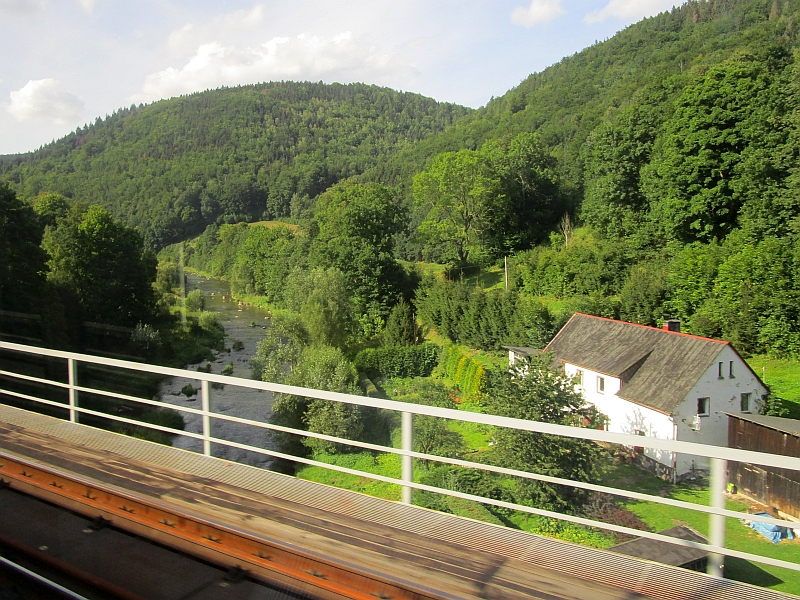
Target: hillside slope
x,y
228,155
649,62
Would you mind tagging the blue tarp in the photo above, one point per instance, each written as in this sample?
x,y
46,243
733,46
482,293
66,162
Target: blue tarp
x,y
774,533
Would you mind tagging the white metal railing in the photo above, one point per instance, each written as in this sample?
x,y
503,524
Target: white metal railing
x,y
717,454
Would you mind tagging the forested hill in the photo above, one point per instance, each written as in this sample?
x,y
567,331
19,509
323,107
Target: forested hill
x,y
648,63
228,155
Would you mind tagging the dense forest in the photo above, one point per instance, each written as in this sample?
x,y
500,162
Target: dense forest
x,y
650,176
228,155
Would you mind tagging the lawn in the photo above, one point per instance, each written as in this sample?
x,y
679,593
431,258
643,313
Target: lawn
x,y
274,224
738,536
783,379
387,465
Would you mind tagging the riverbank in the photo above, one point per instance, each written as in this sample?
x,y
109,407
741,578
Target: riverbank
x,y
244,324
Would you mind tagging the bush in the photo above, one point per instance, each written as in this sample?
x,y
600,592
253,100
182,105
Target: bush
x,y
188,390
237,345
145,338
208,321
398,361
195,301
228,369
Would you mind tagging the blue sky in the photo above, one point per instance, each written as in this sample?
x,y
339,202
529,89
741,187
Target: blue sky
x,y
65,62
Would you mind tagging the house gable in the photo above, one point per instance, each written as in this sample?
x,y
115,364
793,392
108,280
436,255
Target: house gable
x,y
657,368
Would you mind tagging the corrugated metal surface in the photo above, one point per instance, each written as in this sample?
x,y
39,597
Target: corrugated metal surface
x,y
648,578
772,486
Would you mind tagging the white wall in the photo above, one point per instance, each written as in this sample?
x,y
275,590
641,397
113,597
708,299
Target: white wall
x,y
725,395
624,416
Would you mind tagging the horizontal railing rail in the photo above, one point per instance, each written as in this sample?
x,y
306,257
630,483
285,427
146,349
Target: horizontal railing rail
x,y
718,455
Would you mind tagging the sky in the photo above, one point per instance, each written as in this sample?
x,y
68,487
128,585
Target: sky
x,y
64,63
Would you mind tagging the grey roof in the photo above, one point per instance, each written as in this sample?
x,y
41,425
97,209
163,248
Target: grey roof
x,y
657,368
790,426
664,552
523,351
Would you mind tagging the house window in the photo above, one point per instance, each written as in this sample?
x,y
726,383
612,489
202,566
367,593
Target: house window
x,y
719,371
730,370
601,384
744,402
579,377
703,406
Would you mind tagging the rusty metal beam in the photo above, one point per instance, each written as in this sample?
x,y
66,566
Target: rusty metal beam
x,y
273,561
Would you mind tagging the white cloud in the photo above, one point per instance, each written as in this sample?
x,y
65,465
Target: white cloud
x,y
540,11
21,6
234,24
304,57
45,100
87,5
630,10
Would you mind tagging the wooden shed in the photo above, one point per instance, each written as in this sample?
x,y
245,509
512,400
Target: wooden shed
x,y
666,553
774,487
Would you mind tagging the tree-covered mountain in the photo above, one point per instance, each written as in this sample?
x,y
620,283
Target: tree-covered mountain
x,y
228,155
674,147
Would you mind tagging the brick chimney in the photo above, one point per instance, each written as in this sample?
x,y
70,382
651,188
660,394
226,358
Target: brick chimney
x,y
672,325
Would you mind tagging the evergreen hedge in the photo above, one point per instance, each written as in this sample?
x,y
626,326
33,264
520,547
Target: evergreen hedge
x,y
398,361
466,372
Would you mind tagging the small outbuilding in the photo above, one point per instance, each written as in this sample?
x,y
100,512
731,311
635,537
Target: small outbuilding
x,y
665,553
771,486
519,354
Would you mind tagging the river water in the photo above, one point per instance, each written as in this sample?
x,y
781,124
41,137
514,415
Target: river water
x,y
232,400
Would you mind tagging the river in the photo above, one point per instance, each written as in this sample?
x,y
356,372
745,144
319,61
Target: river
x,y
235,401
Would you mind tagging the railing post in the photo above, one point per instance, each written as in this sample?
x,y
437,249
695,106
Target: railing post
x,y
407,437
716,564
72,380
205,396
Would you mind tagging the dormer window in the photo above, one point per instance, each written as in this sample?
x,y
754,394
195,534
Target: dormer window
x,y
601,385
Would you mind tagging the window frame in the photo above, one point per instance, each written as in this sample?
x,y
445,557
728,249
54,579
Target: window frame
x,y
601,385
720,370
730,370
706,404
745,399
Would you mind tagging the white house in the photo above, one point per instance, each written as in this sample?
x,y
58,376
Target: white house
x,y
659,383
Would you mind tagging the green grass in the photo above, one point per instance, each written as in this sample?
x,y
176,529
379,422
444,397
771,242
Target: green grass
x,y
738,536
387,465
274,224
492,278
426,268
783,379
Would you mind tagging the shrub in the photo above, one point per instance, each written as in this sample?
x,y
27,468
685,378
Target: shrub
x,y
208,321
228,369
145,338
237,345
188,390
398,361
195,301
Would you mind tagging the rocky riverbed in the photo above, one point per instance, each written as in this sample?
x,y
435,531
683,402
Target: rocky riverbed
x,y
246,324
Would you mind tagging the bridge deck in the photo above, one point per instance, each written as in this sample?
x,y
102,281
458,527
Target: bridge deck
x,y
325,540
